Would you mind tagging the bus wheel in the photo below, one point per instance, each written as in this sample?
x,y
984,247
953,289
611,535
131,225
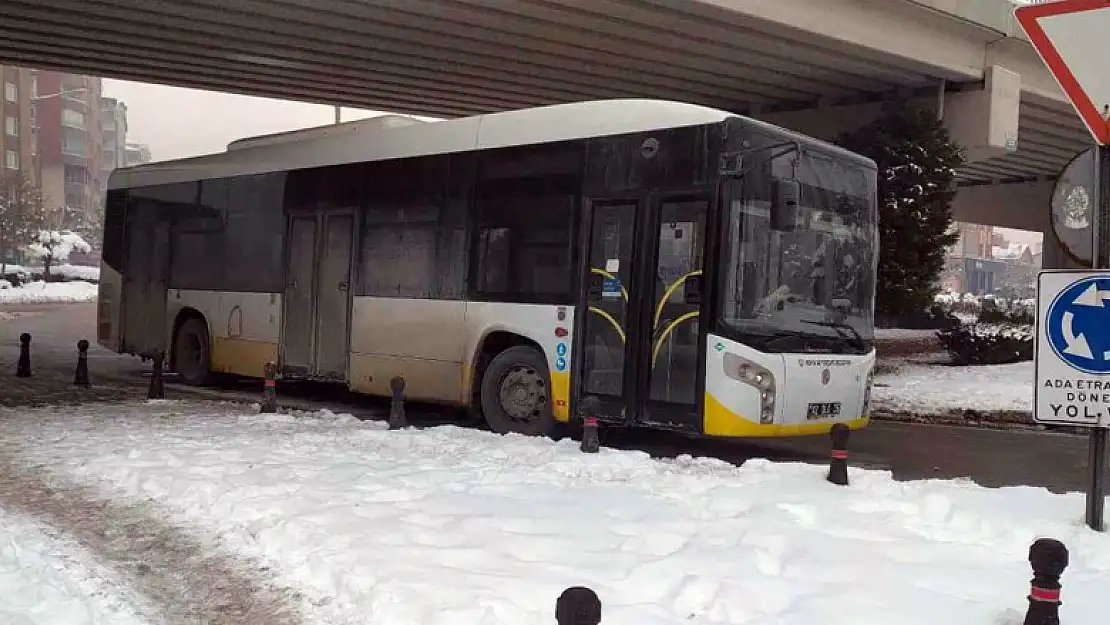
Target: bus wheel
x,y
516,396
191,357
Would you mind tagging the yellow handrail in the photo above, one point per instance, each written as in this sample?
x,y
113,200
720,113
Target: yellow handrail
x,y
613,322
667,331
667,295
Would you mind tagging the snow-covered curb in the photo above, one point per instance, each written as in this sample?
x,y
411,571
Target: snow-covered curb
x,y
993,396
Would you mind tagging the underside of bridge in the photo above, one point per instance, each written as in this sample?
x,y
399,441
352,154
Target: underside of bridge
x,y
802,63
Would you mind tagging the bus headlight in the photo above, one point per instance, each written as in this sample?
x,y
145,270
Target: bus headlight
x,y
866,411
760,378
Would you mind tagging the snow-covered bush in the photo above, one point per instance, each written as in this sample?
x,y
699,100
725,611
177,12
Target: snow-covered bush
x,y
987,308
988,344
992,331
55,246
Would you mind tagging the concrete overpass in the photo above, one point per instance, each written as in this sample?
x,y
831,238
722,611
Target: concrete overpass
x,y
820,66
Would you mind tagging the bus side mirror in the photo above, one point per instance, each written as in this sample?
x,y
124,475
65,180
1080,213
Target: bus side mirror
x,y
785,194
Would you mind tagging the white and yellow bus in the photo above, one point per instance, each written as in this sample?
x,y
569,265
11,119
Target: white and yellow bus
x,y
684,267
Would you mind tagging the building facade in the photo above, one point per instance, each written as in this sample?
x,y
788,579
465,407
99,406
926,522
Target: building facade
x,y
69,143
137,154
970,266
113,124
54,133
17,143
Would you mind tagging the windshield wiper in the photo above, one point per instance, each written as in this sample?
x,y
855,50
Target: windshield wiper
x,y
806,339
844,330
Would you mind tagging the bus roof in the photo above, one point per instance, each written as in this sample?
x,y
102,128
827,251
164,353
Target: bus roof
x,y
370,140
559,122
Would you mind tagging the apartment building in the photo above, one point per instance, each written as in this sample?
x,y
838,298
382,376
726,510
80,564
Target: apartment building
x,y
113,125
52,133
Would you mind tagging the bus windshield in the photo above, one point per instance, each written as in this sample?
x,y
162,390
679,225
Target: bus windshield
x,y
812,288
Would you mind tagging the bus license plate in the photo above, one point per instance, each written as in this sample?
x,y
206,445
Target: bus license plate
x,y
823,410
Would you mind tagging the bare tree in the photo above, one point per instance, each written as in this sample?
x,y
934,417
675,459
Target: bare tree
x,y
23,214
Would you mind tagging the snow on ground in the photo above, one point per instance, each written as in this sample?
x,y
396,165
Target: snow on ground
x,y
45,580
454,526
49,292
925,389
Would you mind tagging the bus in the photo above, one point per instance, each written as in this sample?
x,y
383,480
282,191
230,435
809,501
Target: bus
x,y
652,263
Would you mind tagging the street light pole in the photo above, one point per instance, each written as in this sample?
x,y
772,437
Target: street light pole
x,y
338,114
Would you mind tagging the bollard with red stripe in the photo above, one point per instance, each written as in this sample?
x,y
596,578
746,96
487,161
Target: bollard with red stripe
x,y
269,388
838,457
1049,558
591,444
578,605
588,409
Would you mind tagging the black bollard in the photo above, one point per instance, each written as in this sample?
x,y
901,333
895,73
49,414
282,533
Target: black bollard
x,y
1049,558
23,367
81,376
838,457
269,388
397,404
157,388
578,605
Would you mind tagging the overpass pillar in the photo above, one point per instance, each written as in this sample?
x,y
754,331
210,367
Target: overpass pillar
x,y
985,122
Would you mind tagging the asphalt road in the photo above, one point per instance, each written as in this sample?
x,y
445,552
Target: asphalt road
x,y
1053,460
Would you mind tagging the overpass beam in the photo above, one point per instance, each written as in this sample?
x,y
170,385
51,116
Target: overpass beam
x,y
1019,205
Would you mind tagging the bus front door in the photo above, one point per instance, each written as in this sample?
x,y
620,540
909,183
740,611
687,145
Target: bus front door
x,y
640,332
316,318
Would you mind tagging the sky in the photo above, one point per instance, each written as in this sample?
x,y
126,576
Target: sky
x,y
179,123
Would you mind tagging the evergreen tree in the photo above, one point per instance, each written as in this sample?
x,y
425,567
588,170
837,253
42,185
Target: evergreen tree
x,y
22,214
917,164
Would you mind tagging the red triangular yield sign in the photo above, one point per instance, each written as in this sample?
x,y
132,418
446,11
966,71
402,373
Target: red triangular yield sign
x,y
1073,39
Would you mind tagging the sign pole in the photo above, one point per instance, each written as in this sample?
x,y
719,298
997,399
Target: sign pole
x,y
1068,36
1100,254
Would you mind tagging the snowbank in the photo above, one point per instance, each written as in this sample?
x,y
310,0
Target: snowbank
x,y
453,526
48,581
904,333
49,292
70,272
77,272
927,389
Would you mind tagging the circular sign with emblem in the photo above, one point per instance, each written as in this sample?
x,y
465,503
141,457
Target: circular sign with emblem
x,y
1072,206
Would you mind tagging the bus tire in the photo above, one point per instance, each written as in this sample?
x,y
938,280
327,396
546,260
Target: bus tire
x,y
516,393
192,353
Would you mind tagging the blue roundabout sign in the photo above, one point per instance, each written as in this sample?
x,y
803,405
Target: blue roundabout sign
x,y
1078,325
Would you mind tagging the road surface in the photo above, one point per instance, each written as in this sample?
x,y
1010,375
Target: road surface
x,y
1056,461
